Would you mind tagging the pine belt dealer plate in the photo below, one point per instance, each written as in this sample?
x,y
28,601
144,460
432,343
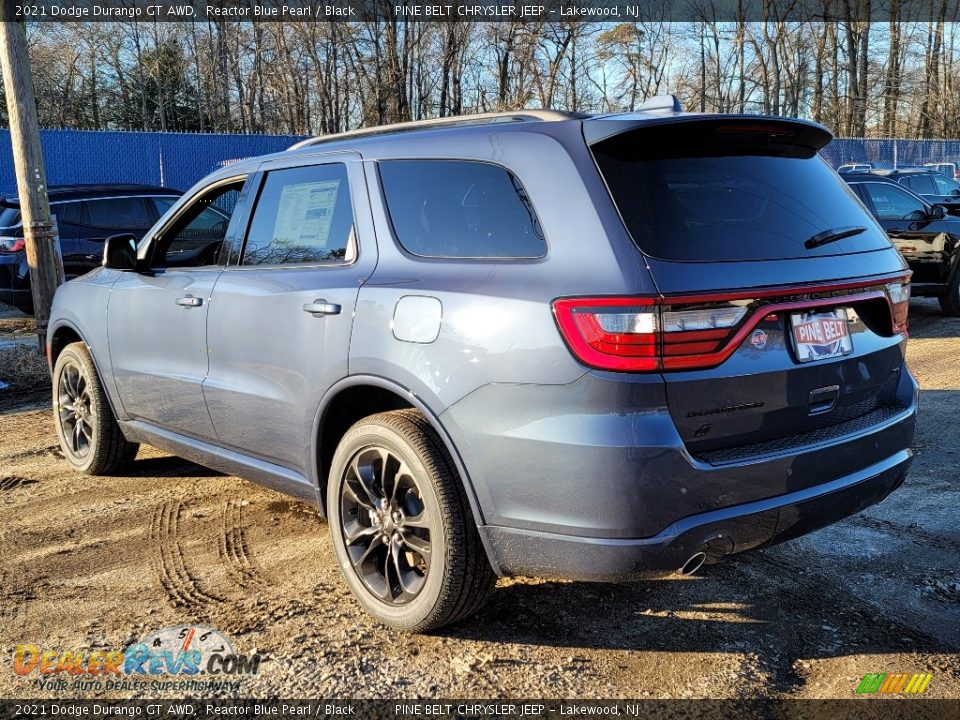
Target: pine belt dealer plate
x,y
821,335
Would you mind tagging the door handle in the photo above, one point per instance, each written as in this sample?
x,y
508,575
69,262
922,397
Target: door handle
x,y
190,301
321,307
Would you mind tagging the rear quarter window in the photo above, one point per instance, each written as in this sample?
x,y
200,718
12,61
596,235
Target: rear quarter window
x,y
460,209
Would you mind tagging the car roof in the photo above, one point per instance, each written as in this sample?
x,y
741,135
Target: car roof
x,y
866,177
93,191
909,171
380,141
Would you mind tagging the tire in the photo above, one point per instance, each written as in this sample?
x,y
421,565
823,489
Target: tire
x,y
950,300
413,559
89,435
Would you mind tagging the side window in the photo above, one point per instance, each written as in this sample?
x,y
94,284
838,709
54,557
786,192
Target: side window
x,y
892,203
921,184
946,186
163,203
460,209
68,213
196,236
303,216
118,214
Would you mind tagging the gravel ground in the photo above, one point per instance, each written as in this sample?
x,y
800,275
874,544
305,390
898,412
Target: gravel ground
x,y
95,563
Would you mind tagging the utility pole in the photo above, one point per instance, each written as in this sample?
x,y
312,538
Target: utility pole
x,y
39,228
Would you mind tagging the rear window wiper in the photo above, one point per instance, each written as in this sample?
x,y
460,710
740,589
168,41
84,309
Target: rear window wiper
x,y
829,236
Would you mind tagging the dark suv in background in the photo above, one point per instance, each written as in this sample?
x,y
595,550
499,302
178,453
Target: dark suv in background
x,y
532,343
926,234
932,185
86,216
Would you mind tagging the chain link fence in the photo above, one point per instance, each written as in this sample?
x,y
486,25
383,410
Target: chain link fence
x,y
891,152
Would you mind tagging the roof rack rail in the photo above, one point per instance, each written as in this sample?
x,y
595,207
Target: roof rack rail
x,y
488,118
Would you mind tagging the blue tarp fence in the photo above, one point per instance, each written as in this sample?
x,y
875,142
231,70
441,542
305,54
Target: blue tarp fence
x,y
178,160
175,160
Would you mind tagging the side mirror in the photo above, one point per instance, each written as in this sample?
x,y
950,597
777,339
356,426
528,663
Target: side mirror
x,y
938,212
120,252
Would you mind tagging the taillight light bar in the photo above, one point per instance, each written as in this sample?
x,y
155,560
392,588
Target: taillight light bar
x,y
11,244
649,334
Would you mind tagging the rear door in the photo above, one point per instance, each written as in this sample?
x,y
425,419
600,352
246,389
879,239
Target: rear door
x,y
279,326
773,314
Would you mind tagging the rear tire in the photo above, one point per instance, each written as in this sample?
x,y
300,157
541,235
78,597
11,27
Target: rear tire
x,y
402,530
950,300
89,435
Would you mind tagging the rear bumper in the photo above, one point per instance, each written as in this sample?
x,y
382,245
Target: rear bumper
x,y
592,481
720,532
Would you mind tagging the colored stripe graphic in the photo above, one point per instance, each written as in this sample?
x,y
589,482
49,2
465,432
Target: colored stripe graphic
x,y
893,683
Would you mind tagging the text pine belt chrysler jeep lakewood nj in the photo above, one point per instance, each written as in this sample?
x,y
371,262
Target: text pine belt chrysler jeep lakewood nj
x,y
533,343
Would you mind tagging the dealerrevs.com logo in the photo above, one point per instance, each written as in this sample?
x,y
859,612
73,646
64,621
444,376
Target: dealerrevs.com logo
x,y
894,683
199,658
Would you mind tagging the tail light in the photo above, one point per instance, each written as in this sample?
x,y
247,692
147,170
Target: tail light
x,y
898,295
645,334
649,334
11,244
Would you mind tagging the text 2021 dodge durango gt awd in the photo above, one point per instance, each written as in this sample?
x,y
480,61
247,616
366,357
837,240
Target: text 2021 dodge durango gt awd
x,y
536,343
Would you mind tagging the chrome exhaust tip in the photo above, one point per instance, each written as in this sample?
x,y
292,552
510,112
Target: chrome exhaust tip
x,y
694,563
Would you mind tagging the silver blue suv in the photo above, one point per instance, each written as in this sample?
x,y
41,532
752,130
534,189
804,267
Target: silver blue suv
x,y
531,343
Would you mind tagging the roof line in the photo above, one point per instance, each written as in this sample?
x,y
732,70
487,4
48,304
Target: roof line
x,y
488,118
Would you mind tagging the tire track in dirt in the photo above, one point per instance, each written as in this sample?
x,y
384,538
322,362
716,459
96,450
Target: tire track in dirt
x,y
12,482
180,585
234,550
49,450
14,601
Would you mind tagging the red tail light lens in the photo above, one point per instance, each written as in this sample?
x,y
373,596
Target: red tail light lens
x,y
10,244
641,334
898,295
611,333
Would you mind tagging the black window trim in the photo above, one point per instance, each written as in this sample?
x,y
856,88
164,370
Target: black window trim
x,y
350,258
531,259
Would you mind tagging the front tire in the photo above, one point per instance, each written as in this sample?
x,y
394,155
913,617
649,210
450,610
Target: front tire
x,y
402,530
89,435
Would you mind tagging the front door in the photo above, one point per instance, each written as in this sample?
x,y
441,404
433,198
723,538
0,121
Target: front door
x,y
157,320
279,326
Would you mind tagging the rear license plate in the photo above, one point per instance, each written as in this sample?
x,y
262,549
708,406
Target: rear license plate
x,y
821,335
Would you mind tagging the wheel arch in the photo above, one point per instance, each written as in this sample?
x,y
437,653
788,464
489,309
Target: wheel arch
x,y
63,333
330,425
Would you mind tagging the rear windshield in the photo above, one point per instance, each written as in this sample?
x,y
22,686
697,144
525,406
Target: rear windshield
x,y
683,198
9,217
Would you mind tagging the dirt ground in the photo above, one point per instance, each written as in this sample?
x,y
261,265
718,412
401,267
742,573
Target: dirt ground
x,y
95,563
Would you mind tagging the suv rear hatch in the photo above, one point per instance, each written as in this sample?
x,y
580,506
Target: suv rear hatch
x,y
782,304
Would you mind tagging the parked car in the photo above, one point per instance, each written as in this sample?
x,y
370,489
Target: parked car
x,y
854,168
950,169
931,185
86,215
926,236
528,343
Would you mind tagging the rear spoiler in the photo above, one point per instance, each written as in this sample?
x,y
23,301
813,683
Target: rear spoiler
x,y
738,128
